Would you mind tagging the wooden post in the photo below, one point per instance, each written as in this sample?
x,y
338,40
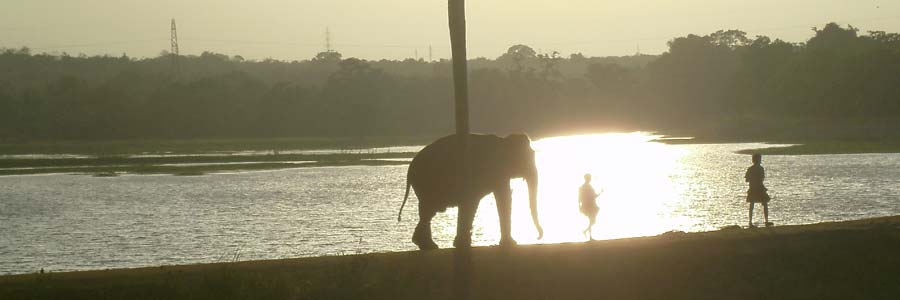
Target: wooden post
x,y
457,16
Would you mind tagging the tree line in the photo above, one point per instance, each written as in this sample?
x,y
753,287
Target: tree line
x,y
839,83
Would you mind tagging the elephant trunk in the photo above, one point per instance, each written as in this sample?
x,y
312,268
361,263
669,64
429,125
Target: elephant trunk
x,y
532,180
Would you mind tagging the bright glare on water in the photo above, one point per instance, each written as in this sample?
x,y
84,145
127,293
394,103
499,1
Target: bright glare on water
x,y
72,222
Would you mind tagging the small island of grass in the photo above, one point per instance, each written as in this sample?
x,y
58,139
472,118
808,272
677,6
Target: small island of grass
x,y
830,147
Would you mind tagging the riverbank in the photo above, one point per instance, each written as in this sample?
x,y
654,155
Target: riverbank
x,y
831,147
855,259
201,156
106,148
798,147
195,164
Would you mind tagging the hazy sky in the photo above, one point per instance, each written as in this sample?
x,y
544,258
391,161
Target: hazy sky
x,y
374,29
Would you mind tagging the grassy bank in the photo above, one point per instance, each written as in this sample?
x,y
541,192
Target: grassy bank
x,y
196,157
846,260
194,165
195,146
833,147
108,171
798,147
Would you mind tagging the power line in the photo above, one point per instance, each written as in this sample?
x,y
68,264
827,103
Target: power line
x,y
250,42
283,43
111,43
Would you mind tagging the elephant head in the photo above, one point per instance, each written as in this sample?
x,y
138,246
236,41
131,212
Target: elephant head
x,y
521,163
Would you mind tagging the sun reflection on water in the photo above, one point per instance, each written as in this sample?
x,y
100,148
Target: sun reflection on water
x,y
638,197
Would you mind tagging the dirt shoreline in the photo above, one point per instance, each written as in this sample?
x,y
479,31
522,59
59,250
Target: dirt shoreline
x,y
837,260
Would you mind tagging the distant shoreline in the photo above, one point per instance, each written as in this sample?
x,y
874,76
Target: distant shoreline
x,y
200,157
854,259
797,147
819,148
194,165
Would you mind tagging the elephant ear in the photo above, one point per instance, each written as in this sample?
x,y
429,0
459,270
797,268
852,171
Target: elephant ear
x,y
518,142
518,153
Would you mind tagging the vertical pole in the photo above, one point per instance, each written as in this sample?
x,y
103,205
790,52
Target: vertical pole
x,y
457,13
457,16
462,257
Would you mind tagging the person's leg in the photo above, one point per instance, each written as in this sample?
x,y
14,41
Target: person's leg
x,y
751,214
587,215
766,211
590,228
586,229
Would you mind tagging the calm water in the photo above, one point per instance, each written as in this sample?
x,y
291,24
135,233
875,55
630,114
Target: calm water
x,y
70,222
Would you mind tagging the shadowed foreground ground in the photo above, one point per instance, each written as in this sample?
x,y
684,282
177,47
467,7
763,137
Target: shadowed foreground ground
x,y
847,260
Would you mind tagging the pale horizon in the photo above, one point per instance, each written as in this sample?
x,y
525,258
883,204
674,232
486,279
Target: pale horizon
x,y
292,30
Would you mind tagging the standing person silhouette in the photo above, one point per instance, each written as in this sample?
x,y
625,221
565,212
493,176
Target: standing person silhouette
x,y
587,204
757,191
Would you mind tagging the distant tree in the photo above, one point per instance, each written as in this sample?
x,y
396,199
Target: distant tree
x,y
695,78
610,78
287,109
518,55
328,56
832,38
732,39
8,114
212,56
884,37
722,82
22,51
762,62
549,63
354,94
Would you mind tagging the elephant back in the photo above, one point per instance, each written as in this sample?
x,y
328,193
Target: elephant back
x,y
437,169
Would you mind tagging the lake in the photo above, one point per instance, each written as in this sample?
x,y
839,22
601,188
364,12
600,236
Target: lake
x,y
65,222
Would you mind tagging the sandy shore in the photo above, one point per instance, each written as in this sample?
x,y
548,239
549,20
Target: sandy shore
x,y
842,260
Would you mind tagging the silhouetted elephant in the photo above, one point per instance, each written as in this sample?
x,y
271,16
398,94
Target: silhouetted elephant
x,y
435,174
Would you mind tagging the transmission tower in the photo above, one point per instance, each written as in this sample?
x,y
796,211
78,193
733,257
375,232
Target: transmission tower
x,y
430,58
174,51
328,40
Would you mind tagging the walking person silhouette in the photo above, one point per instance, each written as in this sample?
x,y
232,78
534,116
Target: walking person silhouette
x,y
757,191
587,204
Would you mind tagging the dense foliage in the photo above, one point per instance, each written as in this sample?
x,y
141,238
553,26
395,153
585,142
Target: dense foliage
x,y
725,84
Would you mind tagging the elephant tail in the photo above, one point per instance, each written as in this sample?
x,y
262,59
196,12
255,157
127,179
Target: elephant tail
x,y
400,214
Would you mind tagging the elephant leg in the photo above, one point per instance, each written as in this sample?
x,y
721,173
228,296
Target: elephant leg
x,y
466,215
503,196
422,235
